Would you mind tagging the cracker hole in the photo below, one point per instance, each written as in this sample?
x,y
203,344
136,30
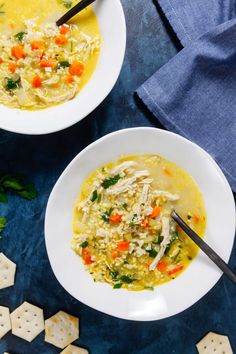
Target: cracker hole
x,y
26,310
2,325
212,341
36,324
35,314
28,331
205,347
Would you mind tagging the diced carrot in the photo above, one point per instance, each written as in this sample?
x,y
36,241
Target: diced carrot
x,y
76,68
69,79
123,245
196,218
47,62
162,265
12,67
18,52
64,29
88,259
87,256
1,61
144,222
115,218
167,171
37,45
37,82
61,39
176,270
155,212
114,254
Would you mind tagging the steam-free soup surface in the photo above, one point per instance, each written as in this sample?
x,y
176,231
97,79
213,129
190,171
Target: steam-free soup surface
x,y
122,225
42,65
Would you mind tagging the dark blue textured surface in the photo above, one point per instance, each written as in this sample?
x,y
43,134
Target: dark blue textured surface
x,y
43,159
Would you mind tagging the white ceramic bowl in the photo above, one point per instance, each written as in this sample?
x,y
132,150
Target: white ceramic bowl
x,y
113,31
167,299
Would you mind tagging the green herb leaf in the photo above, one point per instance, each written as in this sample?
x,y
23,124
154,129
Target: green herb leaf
x,y
99,198
108,182
117,286
158,240
152,253
67,3
126,279
114,274
125,206
3,222
84,244
106,215
190,258
20,36
3,197
12,83
12,183
94,196
64,64
29,192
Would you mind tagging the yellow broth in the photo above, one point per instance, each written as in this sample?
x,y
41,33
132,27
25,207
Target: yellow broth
x,y
103,222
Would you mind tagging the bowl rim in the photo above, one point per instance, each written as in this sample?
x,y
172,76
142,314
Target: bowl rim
x,y
29,129
92,146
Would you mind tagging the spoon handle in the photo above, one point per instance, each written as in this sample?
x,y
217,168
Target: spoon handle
x,y
72,12
204,247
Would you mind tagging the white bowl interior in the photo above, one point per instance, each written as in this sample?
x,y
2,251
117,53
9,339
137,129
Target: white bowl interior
x,y
113,31
195,281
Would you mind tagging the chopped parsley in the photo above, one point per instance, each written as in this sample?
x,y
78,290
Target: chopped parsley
x,y
20,36
106,215
64,64
114,274
99,198
117,286
126,279
12,83
108,182
94,196
189,217
190,258
84,244
67,3
152,253
158,239
125,206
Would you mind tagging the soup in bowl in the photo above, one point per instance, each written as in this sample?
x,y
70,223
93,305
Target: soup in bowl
x,y
43,66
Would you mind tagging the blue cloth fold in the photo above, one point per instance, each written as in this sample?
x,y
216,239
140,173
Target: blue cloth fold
x,y
194,95
190,18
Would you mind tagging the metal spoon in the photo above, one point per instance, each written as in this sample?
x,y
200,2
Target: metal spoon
x,y
204,247
74,11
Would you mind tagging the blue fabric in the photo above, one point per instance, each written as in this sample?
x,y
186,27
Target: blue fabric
x,y
195,95
190,18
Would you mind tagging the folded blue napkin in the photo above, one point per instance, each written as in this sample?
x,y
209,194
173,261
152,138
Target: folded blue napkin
x,y
194,94
192,18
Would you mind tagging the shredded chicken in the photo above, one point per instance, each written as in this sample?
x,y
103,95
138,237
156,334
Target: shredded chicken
x,y
165,233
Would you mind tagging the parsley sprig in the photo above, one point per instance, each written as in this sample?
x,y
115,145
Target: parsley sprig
x,y
15,184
